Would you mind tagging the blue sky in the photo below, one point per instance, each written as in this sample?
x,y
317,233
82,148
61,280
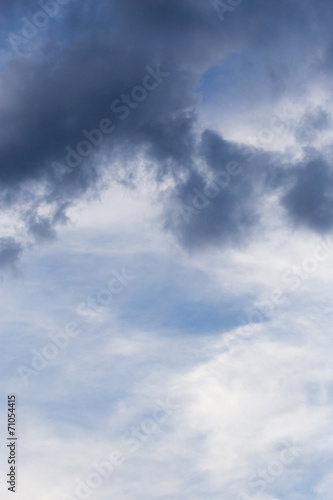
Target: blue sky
x,y
166,248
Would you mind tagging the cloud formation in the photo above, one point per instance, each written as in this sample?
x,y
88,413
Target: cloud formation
x,y
78,102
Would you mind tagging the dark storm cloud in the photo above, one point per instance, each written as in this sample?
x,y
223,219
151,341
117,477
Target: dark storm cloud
x,y
95,52
221,205
48,101
197,221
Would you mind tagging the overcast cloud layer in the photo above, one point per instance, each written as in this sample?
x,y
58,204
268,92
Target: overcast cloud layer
x,y
166,186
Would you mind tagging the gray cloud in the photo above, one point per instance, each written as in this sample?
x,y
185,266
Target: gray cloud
x,y
97,51
309,201
312,124
220,205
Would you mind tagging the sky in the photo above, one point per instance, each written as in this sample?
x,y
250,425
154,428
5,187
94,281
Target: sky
x,y
166,248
